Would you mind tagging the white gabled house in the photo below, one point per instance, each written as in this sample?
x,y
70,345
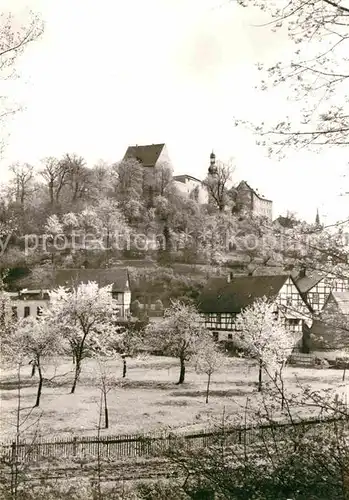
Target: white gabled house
x,y
223,299
31,301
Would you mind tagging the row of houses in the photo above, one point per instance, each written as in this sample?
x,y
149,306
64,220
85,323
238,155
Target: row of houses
x,y
299,298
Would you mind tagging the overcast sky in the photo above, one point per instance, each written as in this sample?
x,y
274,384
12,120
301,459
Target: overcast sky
x,y
107,74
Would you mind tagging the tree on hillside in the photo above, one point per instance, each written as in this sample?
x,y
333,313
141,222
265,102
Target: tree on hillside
x,y
263,335
78,177
53,229
85,315
179,334
54,172
22,181
128,180
217,185
111,224
208,360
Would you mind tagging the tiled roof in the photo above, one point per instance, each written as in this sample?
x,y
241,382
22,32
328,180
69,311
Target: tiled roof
x,y
342,301
307,282
244,183
183,177
147,155
221,296
118,277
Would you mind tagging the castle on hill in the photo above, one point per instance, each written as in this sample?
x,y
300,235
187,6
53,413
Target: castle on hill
x,y
246,198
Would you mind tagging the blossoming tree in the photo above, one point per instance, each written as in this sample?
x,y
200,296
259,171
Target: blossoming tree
x,y
179,334
85,316
264,336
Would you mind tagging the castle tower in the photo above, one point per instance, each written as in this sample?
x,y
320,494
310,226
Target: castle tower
x,y
212,170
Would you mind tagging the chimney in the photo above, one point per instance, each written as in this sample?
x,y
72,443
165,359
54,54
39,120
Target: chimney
x,y
302,272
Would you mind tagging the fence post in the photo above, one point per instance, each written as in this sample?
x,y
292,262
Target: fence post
x,y
13,467
74,445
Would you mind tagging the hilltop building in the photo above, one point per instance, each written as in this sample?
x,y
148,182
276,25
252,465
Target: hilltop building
x,y
156,155
247,199
150,155
191,187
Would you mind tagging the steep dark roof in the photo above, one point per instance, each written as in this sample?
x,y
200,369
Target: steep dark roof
x,y
307,282
183,177
342,301
148,155
220,296
242,183
118,277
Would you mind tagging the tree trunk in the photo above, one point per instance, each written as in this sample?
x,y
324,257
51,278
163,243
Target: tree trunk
x,y
208,386
77,373
41,380
182,372
260,376
344,371
124,369
51,193
106,413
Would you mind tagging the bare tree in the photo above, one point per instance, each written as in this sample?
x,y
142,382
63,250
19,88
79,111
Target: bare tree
x,y
316,75
54,172
14,39
78,176
217,185
23,180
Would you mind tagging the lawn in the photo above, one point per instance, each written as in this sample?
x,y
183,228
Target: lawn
x,y
147,399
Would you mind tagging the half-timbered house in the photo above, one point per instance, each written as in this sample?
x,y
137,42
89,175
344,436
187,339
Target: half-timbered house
x,y
316,287
330,330
223,299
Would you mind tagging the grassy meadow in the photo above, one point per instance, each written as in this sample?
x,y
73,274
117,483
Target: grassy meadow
x,y
148,399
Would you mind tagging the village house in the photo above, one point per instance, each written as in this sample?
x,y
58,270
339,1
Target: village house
x,y
315,287
330,331
224,298
31,301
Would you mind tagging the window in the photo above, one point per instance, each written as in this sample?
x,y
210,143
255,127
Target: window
x,y
289,301
215,336
15,312
293,321
315,298
39,311
26,311
230,336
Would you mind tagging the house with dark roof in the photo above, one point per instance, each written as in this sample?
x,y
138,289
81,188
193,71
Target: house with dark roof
x,y
30,301
149,155
325,333
315,287
247,199
223,299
